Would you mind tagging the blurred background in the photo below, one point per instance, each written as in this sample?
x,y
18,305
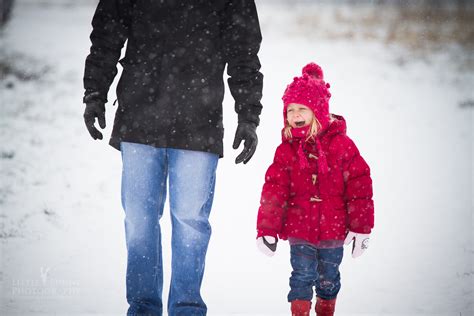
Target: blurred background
x,y
402,75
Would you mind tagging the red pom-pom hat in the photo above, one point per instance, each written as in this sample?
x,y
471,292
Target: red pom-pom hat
x,y
310,90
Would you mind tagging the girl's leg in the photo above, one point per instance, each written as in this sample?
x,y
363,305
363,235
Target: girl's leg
x,y
304,274
328,283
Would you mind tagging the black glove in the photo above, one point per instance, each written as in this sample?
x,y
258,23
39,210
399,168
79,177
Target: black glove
x,y
95,109
246,131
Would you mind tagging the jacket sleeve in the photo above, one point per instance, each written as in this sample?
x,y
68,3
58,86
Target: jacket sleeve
x,y
241,43
110,26
358,190
275,194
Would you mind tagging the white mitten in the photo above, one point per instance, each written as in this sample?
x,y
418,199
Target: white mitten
x,y
361,243
267,245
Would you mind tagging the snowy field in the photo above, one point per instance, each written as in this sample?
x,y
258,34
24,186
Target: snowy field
x,y
411,114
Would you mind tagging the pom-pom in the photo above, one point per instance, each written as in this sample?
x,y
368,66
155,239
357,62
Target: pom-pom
x,y
313,70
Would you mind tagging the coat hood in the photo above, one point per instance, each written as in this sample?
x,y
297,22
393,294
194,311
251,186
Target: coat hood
x,y
337,125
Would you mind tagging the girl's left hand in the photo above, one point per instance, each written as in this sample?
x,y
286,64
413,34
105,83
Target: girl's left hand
x,y
267,245
361,243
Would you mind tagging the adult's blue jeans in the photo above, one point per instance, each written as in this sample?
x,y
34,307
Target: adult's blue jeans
x,y
192,176
314,267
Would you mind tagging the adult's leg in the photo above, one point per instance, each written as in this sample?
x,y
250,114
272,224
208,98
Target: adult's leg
x,y
192,176
143,197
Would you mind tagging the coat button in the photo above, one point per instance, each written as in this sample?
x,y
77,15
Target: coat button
x,y
312,156
315,199
313,178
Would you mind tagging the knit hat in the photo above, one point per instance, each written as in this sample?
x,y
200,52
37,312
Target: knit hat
x,y
310,90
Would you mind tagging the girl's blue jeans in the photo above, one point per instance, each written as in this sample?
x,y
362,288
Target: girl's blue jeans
x,y
191,176
317,268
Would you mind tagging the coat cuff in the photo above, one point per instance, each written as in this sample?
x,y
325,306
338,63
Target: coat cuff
x,y
249,116
93,96
267,232
364,229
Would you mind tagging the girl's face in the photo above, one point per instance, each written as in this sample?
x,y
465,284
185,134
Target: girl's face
x,y
299,115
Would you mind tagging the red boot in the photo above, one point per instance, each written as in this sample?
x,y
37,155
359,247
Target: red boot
x,y
300,308
325,307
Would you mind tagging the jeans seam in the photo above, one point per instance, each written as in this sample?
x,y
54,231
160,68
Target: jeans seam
x,y
161,205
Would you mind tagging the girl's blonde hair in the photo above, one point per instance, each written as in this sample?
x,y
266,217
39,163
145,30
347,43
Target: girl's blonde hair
x,y
315,126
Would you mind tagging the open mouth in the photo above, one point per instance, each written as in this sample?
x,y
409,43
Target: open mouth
x,y
299,123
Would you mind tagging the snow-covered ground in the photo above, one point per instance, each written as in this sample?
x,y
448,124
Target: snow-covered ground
x,y
61,230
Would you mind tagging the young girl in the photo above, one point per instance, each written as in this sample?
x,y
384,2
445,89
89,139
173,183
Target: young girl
x,y
317,194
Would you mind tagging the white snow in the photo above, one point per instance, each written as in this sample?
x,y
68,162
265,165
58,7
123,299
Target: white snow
x,y
61,230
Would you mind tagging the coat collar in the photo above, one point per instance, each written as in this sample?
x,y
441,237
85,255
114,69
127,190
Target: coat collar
x,y
336,126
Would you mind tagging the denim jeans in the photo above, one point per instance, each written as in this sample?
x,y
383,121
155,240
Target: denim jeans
x,y
314,267
192,177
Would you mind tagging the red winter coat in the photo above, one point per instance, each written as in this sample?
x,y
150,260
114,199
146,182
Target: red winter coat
x,y
302,202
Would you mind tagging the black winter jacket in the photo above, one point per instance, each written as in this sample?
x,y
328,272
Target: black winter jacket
x,y
171,89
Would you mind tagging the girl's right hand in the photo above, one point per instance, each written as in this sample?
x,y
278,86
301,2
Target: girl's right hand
x,y
267,245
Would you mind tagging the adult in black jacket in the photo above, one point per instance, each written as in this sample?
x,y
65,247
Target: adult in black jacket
x,y
171,89
169,116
